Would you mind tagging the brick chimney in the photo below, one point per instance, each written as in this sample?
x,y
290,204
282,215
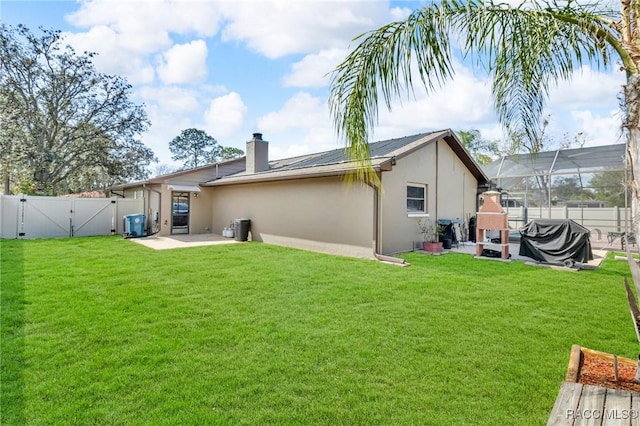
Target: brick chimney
x,y
257,154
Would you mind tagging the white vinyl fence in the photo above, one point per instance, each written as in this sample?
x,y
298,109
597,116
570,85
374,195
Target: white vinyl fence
x,y
26,216
600,220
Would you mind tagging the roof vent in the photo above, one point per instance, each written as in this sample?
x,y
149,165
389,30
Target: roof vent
x,y
257,136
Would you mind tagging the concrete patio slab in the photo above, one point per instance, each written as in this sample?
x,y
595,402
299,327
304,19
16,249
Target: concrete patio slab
x,y
182,241
514,249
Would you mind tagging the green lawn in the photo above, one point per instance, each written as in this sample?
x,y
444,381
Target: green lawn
x,y
104,331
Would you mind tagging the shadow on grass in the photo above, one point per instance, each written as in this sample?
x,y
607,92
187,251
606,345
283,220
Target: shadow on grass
x,y
12,303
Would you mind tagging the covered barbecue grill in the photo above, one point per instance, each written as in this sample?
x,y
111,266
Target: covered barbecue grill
x,y
555,241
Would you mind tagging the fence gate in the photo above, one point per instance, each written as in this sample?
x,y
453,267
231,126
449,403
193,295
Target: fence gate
x,y
93,216
45,216
51,217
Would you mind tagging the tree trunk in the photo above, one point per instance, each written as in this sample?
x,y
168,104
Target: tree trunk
x,y
633,156
632,127
7,182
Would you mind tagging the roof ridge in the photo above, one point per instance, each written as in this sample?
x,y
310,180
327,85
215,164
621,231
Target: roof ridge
x,y
370,143
292,161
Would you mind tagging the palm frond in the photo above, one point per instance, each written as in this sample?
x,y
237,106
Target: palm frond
x,y
382,63
525,50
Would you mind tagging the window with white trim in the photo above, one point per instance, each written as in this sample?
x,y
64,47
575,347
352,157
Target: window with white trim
x,y
416,199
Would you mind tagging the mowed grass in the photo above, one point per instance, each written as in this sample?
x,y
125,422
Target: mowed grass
x,y
104,331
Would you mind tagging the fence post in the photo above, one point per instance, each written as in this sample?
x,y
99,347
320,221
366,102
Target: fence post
x,y
23,202
72,209
114,213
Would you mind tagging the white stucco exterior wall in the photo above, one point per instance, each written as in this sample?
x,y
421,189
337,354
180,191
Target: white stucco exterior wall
x,y
158,198
320,214
451,194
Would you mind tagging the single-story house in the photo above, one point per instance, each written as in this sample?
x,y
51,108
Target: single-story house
x,y
304,201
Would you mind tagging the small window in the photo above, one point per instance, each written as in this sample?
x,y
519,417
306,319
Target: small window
x,y
416,199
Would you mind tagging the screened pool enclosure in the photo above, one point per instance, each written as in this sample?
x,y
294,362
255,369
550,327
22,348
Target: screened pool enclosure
x,y
587,185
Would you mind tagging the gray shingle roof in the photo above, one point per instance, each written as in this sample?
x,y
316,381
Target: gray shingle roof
x,y
328,163
380,149
336,162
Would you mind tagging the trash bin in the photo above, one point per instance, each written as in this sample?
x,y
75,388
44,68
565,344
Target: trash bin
x,y
447,236
134,225
241,229
472,229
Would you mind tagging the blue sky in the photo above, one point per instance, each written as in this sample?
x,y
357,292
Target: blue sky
x,y
233,68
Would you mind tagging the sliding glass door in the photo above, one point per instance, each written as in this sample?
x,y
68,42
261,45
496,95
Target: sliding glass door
x,y
179,212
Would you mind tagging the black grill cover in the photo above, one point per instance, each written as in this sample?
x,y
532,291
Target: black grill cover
x,y
555,240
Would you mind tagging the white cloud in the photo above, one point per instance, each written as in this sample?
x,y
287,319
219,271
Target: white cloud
x,y
115,54
400,13
281,27
126,34
301,111
149,18
588,105
163,129
273,28
225,115
587,88
301,126
313,70
465,102
491,132
171,100
598,130
173,109
310,140
184,63
132,37
170,110
462,103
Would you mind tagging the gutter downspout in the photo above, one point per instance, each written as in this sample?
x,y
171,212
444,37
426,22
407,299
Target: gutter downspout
x,y
436,207
376,230
158,212
144,201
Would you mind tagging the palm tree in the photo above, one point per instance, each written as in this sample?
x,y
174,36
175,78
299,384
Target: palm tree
x,y
525,50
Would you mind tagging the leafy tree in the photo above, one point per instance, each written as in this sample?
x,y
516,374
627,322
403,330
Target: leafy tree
x,y
525,50
542,141
519,142
482,150
70,128
570,188
522,143
10,149
163,169
610,186
194,148
229,153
